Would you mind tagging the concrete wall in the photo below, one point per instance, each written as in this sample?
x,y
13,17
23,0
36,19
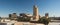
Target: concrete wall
x,y
26,23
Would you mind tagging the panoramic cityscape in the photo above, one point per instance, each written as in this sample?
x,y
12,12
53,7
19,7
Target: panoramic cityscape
x,y
29,12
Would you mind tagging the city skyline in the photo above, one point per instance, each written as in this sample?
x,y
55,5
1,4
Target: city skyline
x,y
26,6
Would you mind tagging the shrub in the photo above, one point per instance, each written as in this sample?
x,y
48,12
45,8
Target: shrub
x,y
23,19
44,20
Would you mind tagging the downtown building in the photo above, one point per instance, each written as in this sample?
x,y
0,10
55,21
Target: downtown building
x,y
35,14
13,16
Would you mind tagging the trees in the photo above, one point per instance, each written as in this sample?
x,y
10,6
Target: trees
x,y
44,20
23,19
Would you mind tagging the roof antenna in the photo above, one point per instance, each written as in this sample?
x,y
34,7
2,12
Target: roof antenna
x,y
34,2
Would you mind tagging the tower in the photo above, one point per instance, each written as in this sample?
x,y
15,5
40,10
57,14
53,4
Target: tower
x,y
35,12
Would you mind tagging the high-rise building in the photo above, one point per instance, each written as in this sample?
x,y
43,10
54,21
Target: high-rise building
x,y
46,15
14,15
10,15
35,13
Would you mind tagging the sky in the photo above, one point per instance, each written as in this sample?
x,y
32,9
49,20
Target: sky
x,y
26,6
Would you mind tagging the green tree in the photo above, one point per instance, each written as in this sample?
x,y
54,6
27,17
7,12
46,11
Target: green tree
x,y
44,20
23,19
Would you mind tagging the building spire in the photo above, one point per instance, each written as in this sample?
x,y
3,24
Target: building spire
x,y
35,6
34,2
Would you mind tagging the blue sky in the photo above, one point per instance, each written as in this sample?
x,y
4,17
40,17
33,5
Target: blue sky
x,y
26,6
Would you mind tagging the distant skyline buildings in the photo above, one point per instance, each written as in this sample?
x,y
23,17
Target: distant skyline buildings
x,y
46,15
26,6
10,15
14,15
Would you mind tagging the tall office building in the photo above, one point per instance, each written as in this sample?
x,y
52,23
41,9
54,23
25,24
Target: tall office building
x,y
35,13
46,15
10,15
14,16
